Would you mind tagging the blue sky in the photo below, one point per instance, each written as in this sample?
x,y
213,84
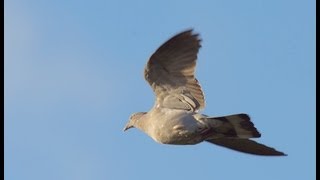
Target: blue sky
x,y
74,74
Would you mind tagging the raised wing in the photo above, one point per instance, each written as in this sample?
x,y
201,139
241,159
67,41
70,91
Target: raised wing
x,y
170,73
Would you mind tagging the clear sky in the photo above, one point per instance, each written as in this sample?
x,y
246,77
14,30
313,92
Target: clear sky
x,y
74,74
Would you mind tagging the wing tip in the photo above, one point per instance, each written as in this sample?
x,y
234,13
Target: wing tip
x,y
190,32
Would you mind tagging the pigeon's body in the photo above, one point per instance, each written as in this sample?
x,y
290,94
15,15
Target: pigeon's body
x,y
175,117
171,126
176,126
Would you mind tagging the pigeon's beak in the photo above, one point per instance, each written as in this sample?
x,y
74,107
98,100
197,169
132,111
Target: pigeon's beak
x,y
128,126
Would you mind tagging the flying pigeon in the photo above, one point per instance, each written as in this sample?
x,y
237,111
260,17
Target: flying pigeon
x,y
175,118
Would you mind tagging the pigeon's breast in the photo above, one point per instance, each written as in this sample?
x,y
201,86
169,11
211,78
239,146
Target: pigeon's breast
x,y
176,127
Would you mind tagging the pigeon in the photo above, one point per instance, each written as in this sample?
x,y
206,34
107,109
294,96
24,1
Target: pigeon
x,y
175,117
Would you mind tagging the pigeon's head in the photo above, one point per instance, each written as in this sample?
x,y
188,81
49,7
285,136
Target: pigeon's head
x,y
134,118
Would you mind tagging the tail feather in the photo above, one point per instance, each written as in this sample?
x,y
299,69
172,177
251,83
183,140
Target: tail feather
x,y
237,125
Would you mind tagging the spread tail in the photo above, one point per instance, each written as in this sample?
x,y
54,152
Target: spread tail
x,y
234,131
237,125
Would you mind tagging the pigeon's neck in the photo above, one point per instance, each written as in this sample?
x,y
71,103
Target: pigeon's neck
x,y
142,123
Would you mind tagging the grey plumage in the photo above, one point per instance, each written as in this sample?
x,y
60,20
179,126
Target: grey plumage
x,y
175,117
